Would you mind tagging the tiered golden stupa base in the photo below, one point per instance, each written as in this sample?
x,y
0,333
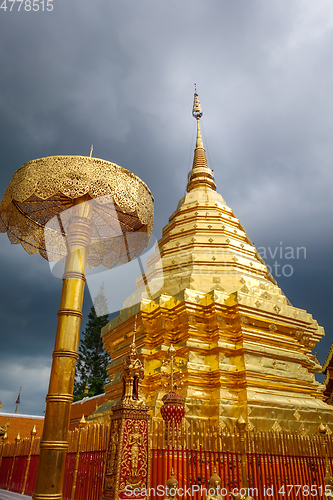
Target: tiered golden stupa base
x,y
235,360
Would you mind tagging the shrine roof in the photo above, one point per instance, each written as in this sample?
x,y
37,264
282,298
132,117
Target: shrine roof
x,y
20,415
86,407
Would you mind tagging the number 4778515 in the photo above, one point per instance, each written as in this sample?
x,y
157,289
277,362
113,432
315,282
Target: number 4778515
x,y
27,5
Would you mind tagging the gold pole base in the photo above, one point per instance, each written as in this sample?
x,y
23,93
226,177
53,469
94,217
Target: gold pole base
x,y
47,496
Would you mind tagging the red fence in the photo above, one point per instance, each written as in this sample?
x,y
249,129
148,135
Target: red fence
x,y
279,465
91,448
5,469
267,473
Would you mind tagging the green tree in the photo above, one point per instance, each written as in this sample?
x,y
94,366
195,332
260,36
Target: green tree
x,y
93,359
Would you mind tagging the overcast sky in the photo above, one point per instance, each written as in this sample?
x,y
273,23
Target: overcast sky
x,y
120,74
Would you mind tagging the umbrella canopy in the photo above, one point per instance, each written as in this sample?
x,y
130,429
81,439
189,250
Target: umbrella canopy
x,y
39,203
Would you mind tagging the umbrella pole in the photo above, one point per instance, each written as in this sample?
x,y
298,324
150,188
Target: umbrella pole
x,y
53,446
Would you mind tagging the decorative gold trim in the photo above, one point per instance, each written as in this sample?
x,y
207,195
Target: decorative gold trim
x,y
69,312
54,445
73,275
50,496
59,398
68,354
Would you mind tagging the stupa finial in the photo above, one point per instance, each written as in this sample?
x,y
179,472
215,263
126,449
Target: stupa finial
x,y
197,109
201,175
197,113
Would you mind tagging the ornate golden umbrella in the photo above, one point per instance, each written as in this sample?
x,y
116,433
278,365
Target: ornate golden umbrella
x,y
42,189
87,212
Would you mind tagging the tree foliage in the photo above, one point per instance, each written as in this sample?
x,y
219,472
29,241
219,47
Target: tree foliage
x,y
93,359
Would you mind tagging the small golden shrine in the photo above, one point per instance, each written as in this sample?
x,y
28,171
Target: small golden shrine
x,y
127,456
243,349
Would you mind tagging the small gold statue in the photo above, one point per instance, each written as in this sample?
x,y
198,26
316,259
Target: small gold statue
x,y
241,497
328,487
135,441
3,428
172,487
214,487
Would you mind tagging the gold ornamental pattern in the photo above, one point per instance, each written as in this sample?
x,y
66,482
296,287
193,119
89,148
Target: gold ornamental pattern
x,y
134,465
33,209
113,447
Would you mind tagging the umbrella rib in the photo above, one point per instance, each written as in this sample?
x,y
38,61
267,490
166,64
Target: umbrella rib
x,y
49,209
121,223
26,215
103,218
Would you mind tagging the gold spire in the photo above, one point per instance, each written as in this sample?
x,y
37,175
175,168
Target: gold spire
x,y
172,352
18,401
134,331
201,175
82,422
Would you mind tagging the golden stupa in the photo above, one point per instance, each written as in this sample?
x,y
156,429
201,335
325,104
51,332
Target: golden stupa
x,y
242,349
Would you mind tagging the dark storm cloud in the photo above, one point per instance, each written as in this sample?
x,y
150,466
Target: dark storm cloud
x,y
120,75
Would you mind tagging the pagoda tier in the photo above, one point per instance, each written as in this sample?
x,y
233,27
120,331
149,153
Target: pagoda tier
x,y
243,349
